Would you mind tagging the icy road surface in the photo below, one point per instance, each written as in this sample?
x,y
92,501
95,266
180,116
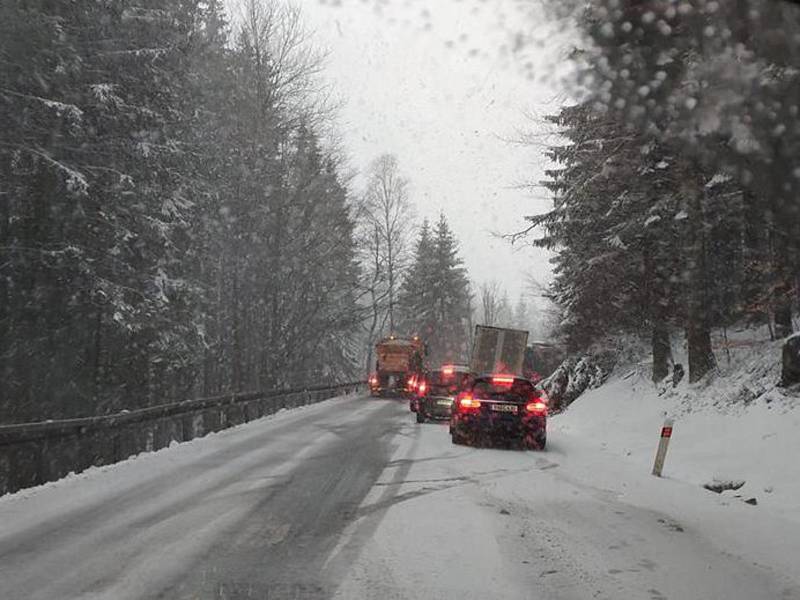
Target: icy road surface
x,y
351,499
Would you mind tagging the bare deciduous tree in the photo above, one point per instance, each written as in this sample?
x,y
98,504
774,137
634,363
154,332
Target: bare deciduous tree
x,y
387,210
490,302
288,65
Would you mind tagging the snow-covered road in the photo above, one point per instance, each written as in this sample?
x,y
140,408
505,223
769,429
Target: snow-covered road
x,y
352,499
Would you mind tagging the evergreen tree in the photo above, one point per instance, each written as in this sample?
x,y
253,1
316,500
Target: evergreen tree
x,y
709,81
680,159
416,299
171,223
435,296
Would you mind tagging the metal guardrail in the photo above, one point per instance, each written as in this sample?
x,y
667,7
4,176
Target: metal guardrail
x,y
35,453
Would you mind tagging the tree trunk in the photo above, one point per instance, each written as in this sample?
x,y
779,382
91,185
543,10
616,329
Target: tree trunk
x,y
783,311
662,351
782,218
97,364
391,289
656,298
782,287
237,333
698,333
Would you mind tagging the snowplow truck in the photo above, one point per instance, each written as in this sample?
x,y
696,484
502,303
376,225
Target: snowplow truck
x,y
498,350
399,365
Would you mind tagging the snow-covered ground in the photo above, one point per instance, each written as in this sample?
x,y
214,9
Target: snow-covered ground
x,y
354,500
586,518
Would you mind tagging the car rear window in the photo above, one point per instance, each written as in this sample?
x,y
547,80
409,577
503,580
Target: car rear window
x,y
446,383
520,390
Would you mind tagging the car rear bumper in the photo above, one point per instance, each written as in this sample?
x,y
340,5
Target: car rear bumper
x,y
432,408
497,426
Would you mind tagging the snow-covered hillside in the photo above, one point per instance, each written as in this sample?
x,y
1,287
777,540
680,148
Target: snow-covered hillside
x,y
586,518
734,426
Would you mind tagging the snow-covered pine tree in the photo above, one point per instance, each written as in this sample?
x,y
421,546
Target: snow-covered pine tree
x,y
435,296
174,226
710,80
614,231
453,301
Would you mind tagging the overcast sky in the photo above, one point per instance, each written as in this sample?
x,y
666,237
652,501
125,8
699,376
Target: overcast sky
x,y
441,83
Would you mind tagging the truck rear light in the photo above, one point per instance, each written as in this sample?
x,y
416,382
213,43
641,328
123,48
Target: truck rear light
x,y
503,379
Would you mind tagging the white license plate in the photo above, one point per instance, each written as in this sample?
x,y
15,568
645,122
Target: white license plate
x,y
509,408
443,402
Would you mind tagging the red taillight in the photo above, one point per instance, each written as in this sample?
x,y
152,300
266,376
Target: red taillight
x,y
503,379
422,388
467,402
448,370
537,407
373,380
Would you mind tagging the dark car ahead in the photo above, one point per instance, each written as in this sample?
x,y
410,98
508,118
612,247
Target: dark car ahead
x,y
437,391
500,407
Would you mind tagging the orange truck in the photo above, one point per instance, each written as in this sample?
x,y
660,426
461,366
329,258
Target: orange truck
x,y
399,364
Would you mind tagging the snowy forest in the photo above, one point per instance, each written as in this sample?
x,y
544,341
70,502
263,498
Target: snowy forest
x,y
176,221
171,223
676,175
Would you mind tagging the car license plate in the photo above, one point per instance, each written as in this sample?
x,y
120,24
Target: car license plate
x,y
443,402
508,408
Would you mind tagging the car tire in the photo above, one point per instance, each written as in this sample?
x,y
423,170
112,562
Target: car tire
x,y
458,439
536,441
420,416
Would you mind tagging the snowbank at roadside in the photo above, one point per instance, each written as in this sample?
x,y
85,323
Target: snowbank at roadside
x,y
586,518
736,426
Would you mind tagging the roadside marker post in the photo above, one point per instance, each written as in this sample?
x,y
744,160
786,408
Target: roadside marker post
x,y
661,453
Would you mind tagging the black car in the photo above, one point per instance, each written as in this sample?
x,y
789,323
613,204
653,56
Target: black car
x,y
503,407
437,391
413,385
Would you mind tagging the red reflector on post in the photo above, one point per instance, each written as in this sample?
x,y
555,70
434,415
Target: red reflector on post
x,y
663,443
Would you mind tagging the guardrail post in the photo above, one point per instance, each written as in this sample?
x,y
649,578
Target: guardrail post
x,y
186,427
5,469
198,429
126,443
223,418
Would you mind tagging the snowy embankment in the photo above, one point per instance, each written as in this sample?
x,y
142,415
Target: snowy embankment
x,y
736,426
586,518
